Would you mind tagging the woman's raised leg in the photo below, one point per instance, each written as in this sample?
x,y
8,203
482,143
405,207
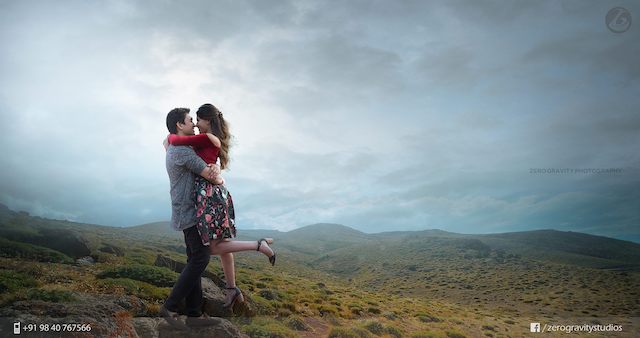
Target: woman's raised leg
x,y
223,247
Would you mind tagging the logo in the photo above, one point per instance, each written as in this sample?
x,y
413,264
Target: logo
x,y
535,327
618,20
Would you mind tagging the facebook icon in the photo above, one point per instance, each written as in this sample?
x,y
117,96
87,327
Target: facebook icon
x,y
535,327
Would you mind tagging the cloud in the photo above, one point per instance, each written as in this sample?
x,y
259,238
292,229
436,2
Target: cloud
x,y
378,115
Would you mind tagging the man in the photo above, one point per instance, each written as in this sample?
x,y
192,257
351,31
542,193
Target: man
x,y
182,166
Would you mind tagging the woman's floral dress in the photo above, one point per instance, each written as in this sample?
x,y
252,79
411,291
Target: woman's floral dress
x,y
214,211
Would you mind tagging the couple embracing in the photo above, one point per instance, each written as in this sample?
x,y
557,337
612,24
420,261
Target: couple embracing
x,y
202,208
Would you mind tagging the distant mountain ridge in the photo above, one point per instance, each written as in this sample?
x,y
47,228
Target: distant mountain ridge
x,y
572,247
566,247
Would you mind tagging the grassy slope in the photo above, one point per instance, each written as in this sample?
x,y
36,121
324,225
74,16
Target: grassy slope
x,y
330,276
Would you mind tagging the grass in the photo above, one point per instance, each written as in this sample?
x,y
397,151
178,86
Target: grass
x,y
145,273
133,287
11,281
50,295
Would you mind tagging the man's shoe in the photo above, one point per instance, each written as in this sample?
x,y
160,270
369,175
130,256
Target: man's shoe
x,y
203,320
172,318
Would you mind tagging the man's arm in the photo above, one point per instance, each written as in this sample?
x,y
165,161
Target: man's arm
x,y
185,156
209,174
165,143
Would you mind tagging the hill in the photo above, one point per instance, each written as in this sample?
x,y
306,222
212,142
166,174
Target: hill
x,y
331,278
569,247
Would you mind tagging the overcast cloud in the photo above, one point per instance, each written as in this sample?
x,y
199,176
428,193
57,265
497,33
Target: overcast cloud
x,y
379,115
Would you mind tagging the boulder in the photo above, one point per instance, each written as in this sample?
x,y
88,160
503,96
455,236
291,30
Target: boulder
x,y
69,242
112,249
88,260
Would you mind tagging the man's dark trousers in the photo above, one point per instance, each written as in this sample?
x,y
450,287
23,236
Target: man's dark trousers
x,y
188,285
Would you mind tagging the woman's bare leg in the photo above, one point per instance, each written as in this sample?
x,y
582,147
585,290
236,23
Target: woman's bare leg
x,y
225,246
225,249
228,266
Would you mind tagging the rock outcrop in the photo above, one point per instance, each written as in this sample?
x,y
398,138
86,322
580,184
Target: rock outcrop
x,y
212,291
112,249
121,315
107,315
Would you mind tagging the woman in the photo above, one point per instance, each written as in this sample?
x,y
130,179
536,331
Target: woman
x,y
215,212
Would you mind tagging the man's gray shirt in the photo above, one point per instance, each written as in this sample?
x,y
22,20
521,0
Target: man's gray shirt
x,y
182,166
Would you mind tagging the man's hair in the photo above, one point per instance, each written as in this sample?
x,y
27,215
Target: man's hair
x,y
176,115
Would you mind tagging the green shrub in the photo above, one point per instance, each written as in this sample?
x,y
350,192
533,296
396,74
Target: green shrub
x,y
374,310
394,331
267,329
269,294
425,334
351,332
390,315
342,332
374,327
145,273
140,257
51,295
455,334
428,318
102,257
297,323
263,306
12,280
283,313
356,310
327,310
289,306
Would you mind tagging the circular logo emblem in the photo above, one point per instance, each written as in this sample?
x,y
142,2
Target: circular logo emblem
x,y
618,20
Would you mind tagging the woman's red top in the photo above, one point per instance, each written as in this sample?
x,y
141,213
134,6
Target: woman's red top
x,y
200,143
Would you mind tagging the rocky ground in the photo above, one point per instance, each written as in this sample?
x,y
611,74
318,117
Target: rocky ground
x,y
113,316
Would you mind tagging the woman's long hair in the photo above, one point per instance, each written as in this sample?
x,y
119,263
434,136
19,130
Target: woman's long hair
x,y
219,127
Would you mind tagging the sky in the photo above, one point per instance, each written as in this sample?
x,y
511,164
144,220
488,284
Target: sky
x,y
378,115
